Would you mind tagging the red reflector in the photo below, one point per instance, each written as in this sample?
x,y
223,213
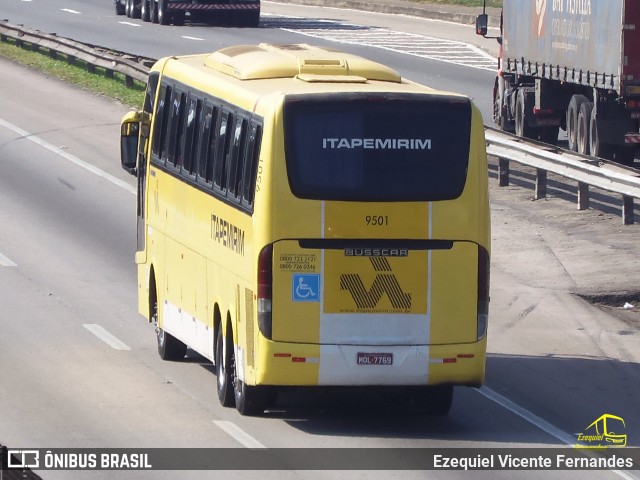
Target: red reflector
x,y
466,355
282,355
298,359
449,360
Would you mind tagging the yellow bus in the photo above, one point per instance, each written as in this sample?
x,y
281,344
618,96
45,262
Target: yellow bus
x,y
308,218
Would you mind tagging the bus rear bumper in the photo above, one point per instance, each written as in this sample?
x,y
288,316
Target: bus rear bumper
x,y
290,364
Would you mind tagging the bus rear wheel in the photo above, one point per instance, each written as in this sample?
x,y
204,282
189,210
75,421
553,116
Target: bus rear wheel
x,y
224,374
434,400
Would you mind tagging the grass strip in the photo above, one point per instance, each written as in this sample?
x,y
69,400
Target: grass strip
x,y
75,74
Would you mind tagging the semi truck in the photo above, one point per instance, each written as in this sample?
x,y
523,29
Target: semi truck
x,y
165,12
571,65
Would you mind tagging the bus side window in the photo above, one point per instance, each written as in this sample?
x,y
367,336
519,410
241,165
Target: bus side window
x,y
190,144
208,150
222,150
236,158
160,126
251,165
176,129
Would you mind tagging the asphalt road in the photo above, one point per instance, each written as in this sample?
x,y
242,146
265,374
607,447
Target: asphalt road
x,y
67,237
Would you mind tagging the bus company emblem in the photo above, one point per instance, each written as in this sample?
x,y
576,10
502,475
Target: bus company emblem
x,y
376,252
385,282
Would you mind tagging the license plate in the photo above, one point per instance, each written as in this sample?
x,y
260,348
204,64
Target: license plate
x,y
375,358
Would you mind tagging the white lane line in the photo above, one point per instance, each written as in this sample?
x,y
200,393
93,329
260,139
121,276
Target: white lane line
x,y
187,37
131,24
107,337
528,416
68,10
6,262
238,434
541,424
67,156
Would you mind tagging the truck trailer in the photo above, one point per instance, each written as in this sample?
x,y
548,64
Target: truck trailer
x,y
235,12
571,65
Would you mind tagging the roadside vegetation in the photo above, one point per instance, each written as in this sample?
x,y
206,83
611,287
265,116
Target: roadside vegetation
x,y
76,74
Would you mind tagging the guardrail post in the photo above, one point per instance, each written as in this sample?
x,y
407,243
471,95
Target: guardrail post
x,y
91,68
503,172
108,73
71,60
627,210
583,196
541,184
128,81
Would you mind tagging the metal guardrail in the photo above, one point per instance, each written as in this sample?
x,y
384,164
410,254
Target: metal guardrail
x,y
131,66
587,171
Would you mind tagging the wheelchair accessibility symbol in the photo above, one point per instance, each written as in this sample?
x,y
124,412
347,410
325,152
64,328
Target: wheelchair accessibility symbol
x,y
305,287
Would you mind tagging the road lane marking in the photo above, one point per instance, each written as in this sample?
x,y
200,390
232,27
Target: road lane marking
x,y
6,262
67,156
238,434
68,10
107,337
423,46
542,424
187,37
131,24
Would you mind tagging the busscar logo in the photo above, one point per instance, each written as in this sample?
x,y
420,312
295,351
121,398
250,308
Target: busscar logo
x,y
606,431
541,8
385,282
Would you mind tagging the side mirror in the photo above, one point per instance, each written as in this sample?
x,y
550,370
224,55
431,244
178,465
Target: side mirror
x,y
482,24
129,138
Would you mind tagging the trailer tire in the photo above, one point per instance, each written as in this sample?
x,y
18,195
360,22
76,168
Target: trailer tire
x,y
596,147
572,120
153,11
145,13
522,125
163,15
120,8
583,143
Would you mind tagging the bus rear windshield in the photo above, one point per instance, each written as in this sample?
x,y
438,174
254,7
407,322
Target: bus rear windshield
x,y
377,148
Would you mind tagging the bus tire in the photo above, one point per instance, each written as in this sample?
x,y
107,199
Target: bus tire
x,y
163,15
169,347
224,374
250,400
434,400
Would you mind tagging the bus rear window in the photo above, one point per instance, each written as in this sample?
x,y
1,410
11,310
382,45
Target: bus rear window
x,y
377,148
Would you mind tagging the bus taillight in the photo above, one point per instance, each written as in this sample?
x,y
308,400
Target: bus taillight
x,y
483,291
265,281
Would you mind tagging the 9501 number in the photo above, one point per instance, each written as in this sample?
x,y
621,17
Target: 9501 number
x,y
376,220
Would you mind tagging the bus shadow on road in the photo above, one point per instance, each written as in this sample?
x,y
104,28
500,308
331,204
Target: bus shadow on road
x,y
568,393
